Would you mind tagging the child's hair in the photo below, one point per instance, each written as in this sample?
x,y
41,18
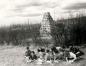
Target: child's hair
x,y
27,48
33,52
39,50
47,51
42,50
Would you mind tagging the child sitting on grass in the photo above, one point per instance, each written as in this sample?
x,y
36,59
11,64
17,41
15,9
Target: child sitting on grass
x,y
33,56
27,54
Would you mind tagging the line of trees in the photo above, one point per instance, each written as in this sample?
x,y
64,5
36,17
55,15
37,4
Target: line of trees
x,y
71,31
15,34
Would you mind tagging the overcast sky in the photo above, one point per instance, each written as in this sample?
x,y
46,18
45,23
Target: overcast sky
x,y
22,11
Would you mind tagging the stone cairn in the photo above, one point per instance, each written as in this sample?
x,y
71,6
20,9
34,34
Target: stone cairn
x,y
46,26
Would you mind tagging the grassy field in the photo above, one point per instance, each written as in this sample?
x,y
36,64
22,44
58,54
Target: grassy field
x,y
14,56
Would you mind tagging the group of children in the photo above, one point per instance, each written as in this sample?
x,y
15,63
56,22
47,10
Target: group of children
x,y
53,54
30,55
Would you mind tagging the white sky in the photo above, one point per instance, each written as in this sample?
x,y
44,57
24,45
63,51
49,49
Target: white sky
x,y
22,11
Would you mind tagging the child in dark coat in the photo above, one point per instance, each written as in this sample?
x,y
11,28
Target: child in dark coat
x,y
33,56
27,54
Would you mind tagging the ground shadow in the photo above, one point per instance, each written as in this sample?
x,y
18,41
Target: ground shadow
x,y
79,59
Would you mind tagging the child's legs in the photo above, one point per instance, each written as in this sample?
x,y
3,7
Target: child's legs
x,y
27,59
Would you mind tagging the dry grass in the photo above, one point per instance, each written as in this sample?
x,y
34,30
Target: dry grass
x,y
14,56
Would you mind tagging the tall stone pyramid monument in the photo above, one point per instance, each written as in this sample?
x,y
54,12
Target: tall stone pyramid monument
x,y
46,26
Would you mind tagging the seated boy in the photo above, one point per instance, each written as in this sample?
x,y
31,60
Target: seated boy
x,y
27,54
33,56
71,58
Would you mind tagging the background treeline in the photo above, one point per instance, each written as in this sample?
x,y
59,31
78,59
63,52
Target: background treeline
x,y
71,31
19,34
